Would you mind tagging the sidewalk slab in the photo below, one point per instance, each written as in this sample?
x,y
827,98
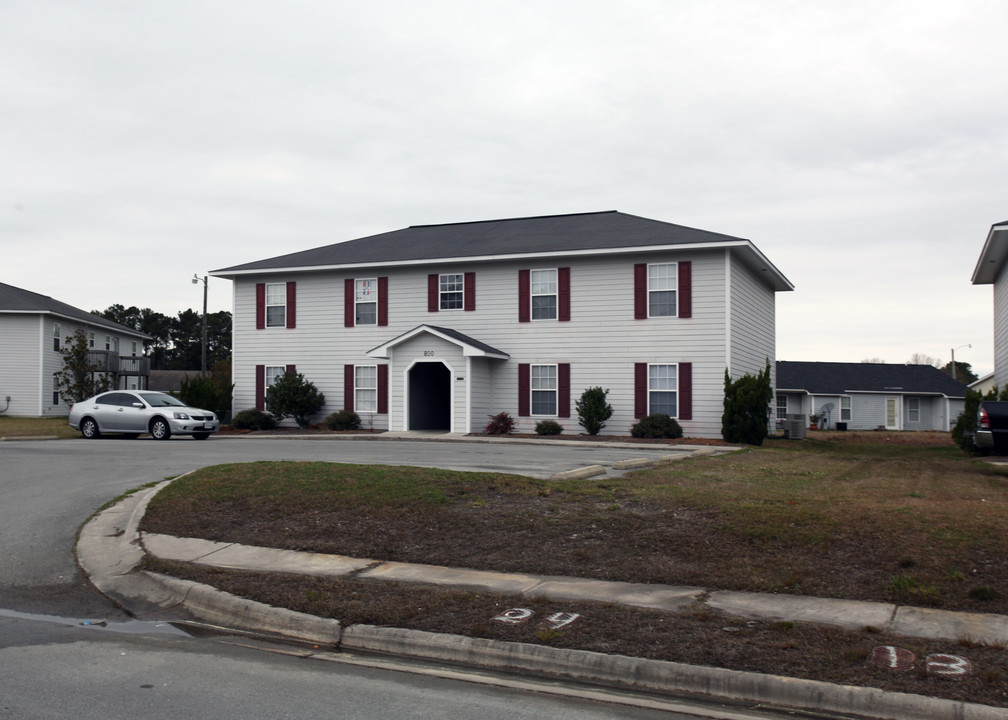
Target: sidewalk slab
x,y
436,575
854,614
658,597
947,625
246,557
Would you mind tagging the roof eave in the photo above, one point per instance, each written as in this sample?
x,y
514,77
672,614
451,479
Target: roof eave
x,y
993,256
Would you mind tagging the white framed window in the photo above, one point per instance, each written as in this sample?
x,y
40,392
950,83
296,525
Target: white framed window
x,y
544,389
274,373
913,409
845,408
663,284
544,294
366,388
451,289
663,390
781,407
55,390
108,342
133,348
276,304
115,345
90,342
366,301
56,339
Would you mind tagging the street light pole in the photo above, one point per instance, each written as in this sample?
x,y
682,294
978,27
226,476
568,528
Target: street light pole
x,y
196,279
953,357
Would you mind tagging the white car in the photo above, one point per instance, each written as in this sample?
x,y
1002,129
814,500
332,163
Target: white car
x,y
132,412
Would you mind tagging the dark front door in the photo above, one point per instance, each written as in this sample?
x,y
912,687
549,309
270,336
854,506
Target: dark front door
x,y
430,397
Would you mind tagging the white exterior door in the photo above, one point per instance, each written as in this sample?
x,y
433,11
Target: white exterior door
x,y
892,413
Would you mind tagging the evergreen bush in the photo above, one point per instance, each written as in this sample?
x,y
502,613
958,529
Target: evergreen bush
x,y
548,427
343,420
253,420
658,425
293,396
746,417
593,410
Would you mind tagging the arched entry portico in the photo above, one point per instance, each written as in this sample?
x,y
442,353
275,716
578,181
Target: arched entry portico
x,y
429,396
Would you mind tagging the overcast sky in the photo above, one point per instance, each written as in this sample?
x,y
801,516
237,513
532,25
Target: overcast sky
x,y
862,146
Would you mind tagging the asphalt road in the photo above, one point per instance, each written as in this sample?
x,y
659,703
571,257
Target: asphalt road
x,y
65,650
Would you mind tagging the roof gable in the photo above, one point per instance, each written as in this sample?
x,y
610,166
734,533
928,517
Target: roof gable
x,y
470,346
584,233
828,378
20,301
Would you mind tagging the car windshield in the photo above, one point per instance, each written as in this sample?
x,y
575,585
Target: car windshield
x,y
161,400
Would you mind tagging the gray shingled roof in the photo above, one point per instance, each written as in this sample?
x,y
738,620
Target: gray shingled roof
x,y
831,378
17,300
552,234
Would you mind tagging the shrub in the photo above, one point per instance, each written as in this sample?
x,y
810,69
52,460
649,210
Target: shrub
x,y
548,427
746,417
293,396
253,420
203,392
500,424
593,410
658,425
343,420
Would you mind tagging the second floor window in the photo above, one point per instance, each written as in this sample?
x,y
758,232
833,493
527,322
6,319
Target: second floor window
x,y
56,339
366,302
662,284
276,304
90,340
450,291
544,294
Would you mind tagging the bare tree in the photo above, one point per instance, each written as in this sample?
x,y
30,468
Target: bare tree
x,y
922,359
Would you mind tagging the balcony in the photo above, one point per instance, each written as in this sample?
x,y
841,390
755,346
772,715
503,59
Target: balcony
x,y
107,361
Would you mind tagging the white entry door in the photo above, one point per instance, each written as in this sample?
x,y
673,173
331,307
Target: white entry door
x,y
892,413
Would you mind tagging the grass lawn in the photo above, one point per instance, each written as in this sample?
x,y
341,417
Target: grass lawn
x,y
36,427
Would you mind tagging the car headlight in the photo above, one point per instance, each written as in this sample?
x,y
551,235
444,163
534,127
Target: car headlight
x,y
180,416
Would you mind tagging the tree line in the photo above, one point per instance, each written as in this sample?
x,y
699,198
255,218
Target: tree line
x,y
176,342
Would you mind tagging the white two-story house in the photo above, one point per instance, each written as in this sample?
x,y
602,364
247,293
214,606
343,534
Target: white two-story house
x,y
441,326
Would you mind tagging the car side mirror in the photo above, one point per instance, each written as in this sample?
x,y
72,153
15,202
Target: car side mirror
x,y
138,405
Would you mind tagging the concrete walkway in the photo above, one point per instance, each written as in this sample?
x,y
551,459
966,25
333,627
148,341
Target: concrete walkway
x,y
110,548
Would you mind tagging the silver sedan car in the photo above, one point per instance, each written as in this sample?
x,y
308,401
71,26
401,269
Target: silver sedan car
x,y
132,412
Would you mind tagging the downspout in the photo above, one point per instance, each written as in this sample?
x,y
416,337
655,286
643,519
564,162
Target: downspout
x,y
728,304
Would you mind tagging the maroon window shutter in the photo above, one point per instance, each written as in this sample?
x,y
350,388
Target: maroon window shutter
x,y
292,304
685,391
524,389
640,390
469,301
685,298
640,292
292,369
563,390
383,301
260,390
524,296
433,301
563,293
348,302
260,306
383,389
348,387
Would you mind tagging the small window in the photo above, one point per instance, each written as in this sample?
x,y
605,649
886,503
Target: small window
x,y
450,291
108,342
274,373
662,287
55,390
913,410
544,294
276,305
366,388
366,302
544,389
115,345
90,342
781,406
133,348
56,339
663,386
845,409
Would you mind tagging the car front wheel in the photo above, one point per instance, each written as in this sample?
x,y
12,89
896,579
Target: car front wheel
x,y
159,429
89,429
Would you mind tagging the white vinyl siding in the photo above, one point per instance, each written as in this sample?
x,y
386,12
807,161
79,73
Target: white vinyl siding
x,y
601,342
